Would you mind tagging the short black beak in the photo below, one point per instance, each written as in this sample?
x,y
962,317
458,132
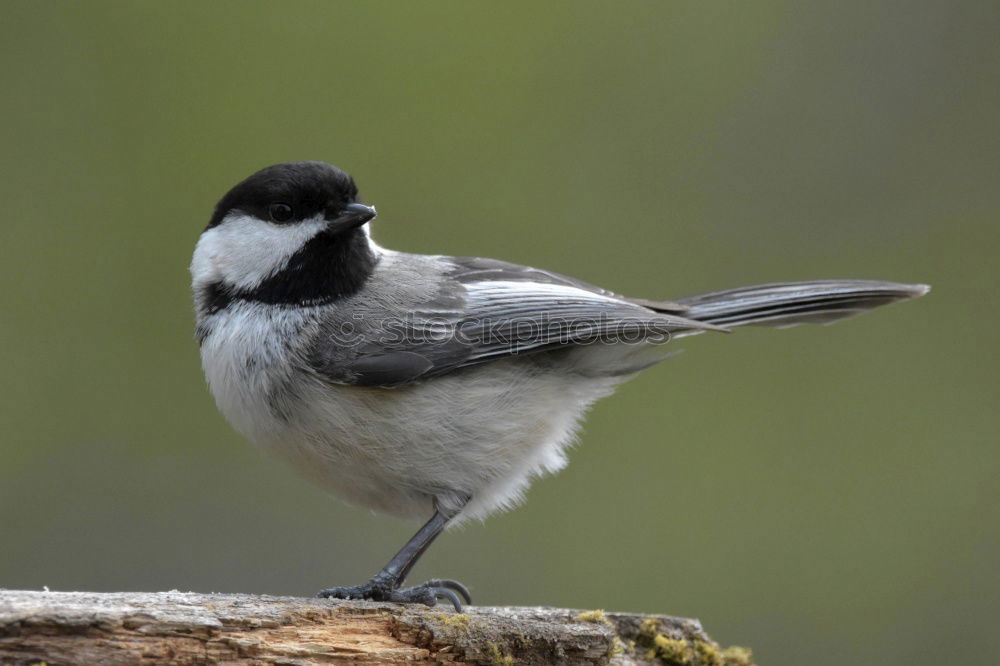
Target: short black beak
x,y
351,217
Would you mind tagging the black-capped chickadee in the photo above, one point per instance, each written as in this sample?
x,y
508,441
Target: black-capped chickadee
x,y
426,385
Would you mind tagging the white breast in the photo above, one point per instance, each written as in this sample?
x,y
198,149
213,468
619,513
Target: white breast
x,y
483,432
248,364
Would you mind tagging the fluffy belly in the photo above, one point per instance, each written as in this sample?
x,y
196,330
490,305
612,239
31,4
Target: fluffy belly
x,y
481,434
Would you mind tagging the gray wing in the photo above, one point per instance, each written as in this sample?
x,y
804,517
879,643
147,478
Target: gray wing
x,y
482,310
479,269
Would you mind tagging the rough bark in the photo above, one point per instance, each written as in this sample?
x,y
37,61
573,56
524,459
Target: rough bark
x,y
188,628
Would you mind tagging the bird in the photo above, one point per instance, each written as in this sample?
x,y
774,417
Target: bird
x,y
429,387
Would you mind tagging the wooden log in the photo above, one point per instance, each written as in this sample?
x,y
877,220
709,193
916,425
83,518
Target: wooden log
x,y
188,628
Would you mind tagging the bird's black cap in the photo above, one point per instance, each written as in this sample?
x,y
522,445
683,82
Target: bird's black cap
x,y
306,188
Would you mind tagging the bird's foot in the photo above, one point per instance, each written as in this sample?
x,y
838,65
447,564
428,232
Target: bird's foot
x,y
426,593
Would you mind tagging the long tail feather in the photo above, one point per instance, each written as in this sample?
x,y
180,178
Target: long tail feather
x,y
790,303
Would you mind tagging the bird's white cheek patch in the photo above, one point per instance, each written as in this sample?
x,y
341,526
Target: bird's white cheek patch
x,y
243,251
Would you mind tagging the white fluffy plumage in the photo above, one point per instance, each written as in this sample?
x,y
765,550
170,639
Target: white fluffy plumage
x,y
394,450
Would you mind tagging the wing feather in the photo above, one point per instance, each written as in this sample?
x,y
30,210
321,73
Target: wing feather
x,y
485,310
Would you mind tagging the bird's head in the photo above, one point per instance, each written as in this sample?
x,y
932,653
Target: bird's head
x,y
290,234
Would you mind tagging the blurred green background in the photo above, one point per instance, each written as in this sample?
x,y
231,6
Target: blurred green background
x,y
821,494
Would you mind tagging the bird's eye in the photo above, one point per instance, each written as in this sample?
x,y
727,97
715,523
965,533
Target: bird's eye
x,y
280,212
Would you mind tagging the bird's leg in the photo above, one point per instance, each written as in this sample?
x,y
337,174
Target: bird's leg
x,y
385,585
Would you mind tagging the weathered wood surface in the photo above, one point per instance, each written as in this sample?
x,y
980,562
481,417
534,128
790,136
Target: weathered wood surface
x,y
189,628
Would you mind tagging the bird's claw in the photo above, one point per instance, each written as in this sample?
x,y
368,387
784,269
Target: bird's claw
x,y
426,593
449,584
